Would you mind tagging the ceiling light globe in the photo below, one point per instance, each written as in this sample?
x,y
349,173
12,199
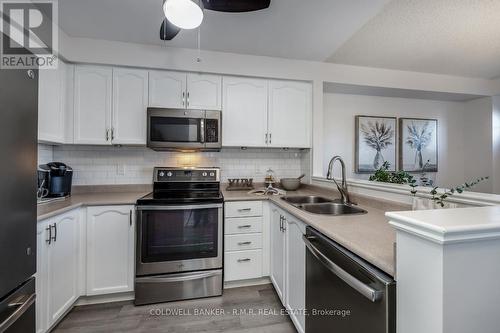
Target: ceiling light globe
x,y
185,14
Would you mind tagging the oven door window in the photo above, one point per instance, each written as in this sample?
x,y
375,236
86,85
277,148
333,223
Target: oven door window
x,y
171,235
171,129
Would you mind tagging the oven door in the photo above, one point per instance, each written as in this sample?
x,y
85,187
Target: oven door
x,y
178,238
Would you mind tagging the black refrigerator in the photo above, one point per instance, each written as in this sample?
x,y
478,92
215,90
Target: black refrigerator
x,y
18,147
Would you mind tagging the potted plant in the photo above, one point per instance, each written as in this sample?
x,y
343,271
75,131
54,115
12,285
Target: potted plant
x,y
437,198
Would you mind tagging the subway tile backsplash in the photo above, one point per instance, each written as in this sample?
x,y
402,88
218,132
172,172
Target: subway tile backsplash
x,y
94,165
45,154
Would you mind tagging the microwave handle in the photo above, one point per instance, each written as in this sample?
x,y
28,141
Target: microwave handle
x,y
202,130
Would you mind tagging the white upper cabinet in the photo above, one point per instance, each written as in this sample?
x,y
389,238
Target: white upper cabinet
x,y
130,101
244,118
167,89
52,93
266,113
203,91
110,249
290,113
92,105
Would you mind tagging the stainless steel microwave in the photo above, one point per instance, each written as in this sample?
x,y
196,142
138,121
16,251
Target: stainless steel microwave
x,y
184,130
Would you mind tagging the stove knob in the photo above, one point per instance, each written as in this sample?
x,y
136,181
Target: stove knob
x,y
212,174
169,174
204,174
162,174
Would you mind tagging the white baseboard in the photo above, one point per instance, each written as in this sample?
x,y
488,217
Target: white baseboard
x,y
110,298
246,283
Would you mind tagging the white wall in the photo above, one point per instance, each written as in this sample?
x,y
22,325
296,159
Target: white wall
x,y
496,143
94,165
340,110
478,143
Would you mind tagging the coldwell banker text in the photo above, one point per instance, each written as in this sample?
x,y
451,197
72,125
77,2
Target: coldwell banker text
x,y
29,34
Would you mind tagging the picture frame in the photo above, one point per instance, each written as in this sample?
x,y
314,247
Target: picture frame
x,y
418,144
375,143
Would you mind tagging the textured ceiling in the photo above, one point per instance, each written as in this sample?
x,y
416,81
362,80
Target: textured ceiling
x,y
298,29
457,37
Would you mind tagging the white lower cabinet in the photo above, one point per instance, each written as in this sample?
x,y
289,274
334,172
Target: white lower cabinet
x,y
242,265
244,250
110,249
103,235
263,240
278,252
288,264
58,243
295,271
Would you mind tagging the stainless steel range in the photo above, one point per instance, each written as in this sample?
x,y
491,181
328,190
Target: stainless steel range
x,y
179,236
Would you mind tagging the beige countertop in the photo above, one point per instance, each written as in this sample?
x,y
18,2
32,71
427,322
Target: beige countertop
x,y
50,209
370,236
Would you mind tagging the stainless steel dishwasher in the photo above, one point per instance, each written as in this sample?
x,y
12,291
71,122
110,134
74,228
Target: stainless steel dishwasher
x,y
344,293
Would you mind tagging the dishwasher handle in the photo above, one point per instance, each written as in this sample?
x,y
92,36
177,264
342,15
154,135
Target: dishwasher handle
x,y
367,291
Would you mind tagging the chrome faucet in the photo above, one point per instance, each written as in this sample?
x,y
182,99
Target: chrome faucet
x,y
344,193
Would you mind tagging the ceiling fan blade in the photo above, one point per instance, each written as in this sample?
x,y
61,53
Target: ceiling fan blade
x,y
235,6
168,31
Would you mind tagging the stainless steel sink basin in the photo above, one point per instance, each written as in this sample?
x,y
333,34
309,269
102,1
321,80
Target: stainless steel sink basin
x,y
332,208
305,199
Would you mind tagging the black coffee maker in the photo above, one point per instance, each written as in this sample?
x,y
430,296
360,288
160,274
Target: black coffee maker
x,y
54,180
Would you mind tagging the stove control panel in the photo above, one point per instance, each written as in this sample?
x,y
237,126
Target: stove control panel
x,y
186,175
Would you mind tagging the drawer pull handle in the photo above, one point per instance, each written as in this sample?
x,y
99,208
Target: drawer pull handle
x,y
244,209
244,226
244,260
244,243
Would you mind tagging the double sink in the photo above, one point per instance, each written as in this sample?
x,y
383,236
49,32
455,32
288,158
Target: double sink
x,y
320,205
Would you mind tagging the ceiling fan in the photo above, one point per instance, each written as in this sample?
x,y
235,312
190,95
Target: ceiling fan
x,y
186,14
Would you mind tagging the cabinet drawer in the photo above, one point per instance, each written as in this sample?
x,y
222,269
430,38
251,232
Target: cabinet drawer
x,y
243,208
241,265
243,242
243,225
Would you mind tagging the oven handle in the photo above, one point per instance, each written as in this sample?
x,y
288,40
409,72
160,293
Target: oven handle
x,y
187,277
367,291
185,207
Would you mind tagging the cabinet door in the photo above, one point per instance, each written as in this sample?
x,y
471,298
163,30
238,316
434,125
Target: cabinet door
x,y
51,100
92,100
110,249
42,279
277,253
290,112
167,89
63,265
204,91
295,271
244,117
130,101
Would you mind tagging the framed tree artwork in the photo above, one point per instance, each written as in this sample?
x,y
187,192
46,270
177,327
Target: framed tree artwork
x,y
375,143
418,146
